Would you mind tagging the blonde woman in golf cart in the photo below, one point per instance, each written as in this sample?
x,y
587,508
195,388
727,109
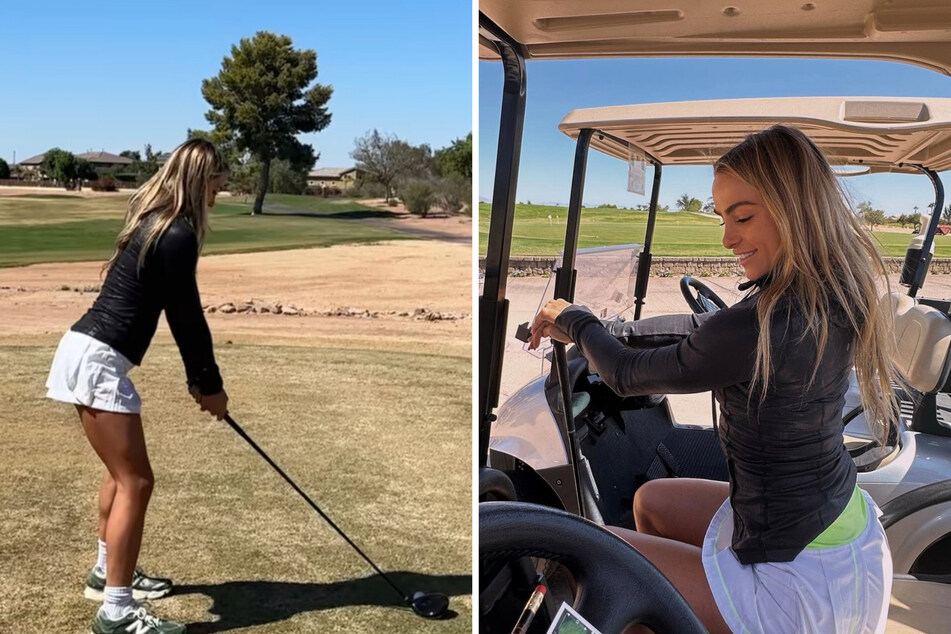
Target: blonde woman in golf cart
x,y
790,544
152,269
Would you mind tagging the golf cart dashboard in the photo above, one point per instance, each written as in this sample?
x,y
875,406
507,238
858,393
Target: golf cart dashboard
x,y
591,396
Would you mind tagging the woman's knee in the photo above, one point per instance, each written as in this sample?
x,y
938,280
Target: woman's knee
x,y
646,506
139,484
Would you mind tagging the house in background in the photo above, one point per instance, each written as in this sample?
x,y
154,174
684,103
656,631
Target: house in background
x,y
98,160
105,160
32,163
339,178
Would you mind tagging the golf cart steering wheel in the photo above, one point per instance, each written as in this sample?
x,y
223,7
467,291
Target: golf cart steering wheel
x,y
706,301
616,585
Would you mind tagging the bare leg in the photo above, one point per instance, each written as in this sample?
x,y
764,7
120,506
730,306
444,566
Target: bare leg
x,y
107,493
681,564
678,508
120,444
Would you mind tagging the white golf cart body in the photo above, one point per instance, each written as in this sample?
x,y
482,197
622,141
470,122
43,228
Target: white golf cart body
x,y
894,131
876,134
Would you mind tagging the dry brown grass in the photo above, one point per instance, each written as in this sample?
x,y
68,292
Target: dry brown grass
x,y
381,441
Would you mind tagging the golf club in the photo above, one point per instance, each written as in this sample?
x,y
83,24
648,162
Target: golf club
x,y
430,605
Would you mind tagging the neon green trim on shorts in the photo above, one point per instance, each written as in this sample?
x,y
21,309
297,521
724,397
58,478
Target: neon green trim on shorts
x,y
849,525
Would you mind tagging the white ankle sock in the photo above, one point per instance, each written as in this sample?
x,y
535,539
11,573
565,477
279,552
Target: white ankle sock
x,y
101,562
116,602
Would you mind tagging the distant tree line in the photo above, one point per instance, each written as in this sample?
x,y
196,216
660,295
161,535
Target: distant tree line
x,y
416,174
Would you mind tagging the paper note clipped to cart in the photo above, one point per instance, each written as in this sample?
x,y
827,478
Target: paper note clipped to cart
x,y
636,173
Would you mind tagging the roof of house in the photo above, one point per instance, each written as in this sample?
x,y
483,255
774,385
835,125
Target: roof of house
x,y
105,157
33,160
330,172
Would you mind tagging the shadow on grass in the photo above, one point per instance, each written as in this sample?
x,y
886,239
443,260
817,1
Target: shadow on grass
x,y
242,604
357,213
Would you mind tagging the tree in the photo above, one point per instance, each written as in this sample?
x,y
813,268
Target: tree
x,y
456,158
946,215
413,161
375,155
902,220
61,166
875,217
151,163
687,203
870,215
286,178
708,207
85,171
4,169
263,98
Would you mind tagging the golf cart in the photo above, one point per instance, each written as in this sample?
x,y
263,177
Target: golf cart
x,y
586,460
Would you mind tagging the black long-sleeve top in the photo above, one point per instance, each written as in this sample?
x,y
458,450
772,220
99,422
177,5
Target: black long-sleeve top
x,y
790,473
125,314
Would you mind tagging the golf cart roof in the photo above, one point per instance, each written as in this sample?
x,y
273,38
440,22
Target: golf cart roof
x,y
911,31
876,133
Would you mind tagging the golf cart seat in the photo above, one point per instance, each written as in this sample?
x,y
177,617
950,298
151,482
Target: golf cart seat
x,y
923,358
923,334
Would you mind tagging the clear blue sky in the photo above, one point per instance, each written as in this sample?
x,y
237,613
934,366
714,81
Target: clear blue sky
x,y
96,75
556,87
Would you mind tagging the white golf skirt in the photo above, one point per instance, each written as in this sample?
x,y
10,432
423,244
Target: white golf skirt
x,y
840,589
87,372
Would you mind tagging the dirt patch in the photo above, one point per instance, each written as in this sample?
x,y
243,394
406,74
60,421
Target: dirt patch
x,y
330,285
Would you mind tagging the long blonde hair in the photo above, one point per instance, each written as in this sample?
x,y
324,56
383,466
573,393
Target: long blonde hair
x,y
178,189
827,262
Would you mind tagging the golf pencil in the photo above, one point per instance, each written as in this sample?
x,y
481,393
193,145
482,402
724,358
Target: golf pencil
x,y
534,602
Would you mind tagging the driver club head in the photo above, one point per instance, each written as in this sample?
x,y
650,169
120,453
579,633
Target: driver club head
x,y
429,605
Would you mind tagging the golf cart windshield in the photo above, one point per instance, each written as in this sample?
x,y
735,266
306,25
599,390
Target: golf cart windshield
x,y
605,284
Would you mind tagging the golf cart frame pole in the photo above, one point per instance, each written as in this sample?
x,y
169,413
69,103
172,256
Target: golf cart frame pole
x,y
493,307
644,260
565,278
925,261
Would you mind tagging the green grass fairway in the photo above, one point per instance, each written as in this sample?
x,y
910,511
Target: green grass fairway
x,y
381,441
675,234
69,229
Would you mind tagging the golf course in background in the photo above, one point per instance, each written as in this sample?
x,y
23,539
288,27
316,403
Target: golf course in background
x,y
370,415
56,227
677,234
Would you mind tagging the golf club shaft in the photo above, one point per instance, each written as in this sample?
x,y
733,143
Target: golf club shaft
x,y
254,445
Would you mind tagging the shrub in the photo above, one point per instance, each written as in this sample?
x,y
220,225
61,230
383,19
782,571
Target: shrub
x,y
418,196
455,193
107,184
363,188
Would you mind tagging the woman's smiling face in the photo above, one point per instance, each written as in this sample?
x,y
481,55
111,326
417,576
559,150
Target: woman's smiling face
x,y
748,228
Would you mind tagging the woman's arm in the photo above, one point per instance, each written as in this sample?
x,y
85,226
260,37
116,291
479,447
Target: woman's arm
x,y
653,332
719,352
177,251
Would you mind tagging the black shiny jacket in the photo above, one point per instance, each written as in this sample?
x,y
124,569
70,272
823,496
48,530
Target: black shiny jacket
x,y
790,473
125,314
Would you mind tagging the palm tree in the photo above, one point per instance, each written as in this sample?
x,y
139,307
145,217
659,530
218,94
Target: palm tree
x,y
683,203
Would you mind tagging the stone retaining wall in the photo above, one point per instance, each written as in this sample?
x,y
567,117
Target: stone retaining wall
x,y
696,266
